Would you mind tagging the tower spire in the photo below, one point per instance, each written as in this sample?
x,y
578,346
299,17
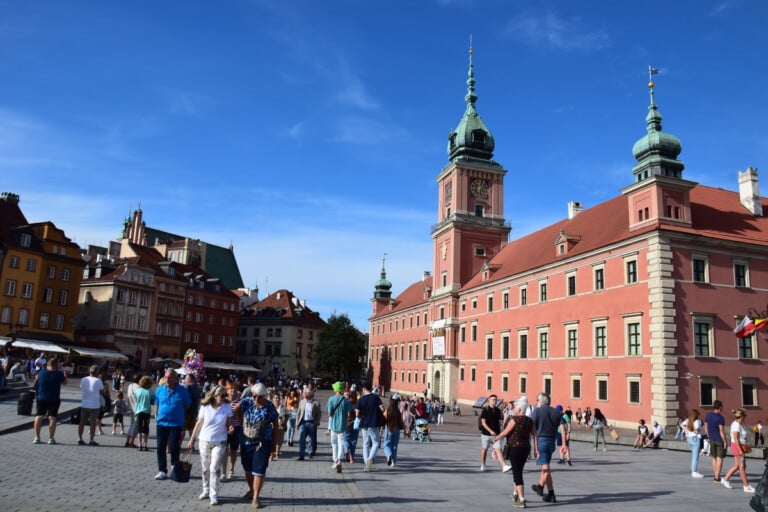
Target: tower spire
x,y
383,288
471,139
657,151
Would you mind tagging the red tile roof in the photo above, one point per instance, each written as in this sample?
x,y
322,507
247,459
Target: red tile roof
x,y
716,213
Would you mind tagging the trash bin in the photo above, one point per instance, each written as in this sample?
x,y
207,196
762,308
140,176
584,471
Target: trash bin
x,y
24,407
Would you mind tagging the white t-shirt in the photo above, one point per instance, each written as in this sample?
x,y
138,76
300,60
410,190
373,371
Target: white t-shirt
x,y
738,427
691,433
214,422
91,387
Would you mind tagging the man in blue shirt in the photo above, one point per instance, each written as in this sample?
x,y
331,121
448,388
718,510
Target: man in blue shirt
x,y
714,427
370,410
171,401
48,384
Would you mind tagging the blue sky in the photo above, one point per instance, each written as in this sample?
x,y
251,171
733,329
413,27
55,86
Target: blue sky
x,y
309,133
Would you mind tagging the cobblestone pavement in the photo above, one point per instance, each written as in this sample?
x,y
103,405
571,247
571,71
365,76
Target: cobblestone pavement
x,y
444,474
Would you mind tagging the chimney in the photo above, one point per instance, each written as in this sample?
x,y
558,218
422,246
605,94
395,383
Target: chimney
x,y
574,208
427,275
749,192
10,198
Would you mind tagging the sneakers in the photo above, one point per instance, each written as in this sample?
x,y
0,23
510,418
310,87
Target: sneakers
x,y
538,489
749,489
519,503
507,468
93,443
230,475
214,502
36,440
81,442
569,463
561,461
51,441
161,476
368,466
203,496
696,474
550,497
725,483
482,468
389,460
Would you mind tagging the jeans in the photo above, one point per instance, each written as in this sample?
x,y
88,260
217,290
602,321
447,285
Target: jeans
x,y
351,441
168,438
291,429
391,440
370,443
337,445
600,433
211,455
693,443
307,429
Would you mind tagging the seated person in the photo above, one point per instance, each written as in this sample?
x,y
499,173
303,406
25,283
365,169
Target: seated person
x,y
642,435
17,372
656,436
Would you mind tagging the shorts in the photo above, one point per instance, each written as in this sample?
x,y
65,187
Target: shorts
x,y
255,461
560,440
89,416
48,408
233,439
717,449
117,418
142,419
546,449
488,441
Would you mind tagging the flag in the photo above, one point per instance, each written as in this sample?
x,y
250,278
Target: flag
x,y
653,71
761,323
745,327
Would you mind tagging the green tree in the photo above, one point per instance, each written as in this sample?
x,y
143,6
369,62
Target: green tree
x,y
340,349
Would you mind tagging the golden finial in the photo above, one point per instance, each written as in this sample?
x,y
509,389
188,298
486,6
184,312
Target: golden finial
x,y
652,71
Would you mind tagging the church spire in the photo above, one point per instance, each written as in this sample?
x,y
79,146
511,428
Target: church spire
x,y
471,139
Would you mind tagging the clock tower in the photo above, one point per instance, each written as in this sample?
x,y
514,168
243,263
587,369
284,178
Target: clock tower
x,y
470,228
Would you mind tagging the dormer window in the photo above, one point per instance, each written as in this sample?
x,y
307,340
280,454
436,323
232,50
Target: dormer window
x,y
478,137
479,210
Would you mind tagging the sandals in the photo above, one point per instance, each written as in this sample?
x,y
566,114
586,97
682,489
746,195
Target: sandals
x,y
256,503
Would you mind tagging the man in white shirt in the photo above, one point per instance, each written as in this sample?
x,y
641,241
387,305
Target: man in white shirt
x,y
90,404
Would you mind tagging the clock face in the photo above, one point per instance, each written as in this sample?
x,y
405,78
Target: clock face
x,y
479,189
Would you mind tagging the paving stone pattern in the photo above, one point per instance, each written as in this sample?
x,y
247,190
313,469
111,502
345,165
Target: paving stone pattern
x,y
441,475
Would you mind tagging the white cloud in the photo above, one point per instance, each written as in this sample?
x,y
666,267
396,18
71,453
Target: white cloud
x,y
552,31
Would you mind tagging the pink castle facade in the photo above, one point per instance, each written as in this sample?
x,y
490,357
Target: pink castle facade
x,y
628,306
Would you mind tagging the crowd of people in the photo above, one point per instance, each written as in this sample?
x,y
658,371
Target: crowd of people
x,y
227,418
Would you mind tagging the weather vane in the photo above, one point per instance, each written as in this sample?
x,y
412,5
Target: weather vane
x,y
652,71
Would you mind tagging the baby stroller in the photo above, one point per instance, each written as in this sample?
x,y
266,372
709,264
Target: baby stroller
x,y
421,430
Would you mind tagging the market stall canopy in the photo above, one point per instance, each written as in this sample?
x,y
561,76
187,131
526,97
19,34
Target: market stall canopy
x,y
37,346
100,353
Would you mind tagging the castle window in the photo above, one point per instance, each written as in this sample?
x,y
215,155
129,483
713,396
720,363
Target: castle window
x,y
741,274
479,210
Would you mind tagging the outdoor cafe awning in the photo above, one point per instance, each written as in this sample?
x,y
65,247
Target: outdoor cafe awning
x,y
231,366
100,353
37,346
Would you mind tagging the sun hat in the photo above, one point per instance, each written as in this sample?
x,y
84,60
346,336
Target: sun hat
x,y
338,386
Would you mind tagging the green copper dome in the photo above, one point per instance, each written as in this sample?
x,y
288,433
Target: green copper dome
x,y
383,288
656,152
471,138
